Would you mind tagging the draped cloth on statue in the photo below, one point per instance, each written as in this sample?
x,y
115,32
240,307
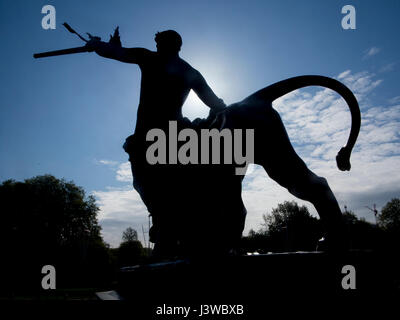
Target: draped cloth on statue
x,y
196,209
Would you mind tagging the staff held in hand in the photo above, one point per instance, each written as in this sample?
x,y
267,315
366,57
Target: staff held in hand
x,y
91,45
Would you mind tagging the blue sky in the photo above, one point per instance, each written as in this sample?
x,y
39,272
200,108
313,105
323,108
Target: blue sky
x,y
68,116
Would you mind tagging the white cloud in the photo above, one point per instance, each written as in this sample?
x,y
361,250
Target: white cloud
x,y
123,170
344,74
110,163
120,208
361,83
371,52
387,67
394,100
124,173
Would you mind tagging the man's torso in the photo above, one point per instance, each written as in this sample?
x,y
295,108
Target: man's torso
x,y
165,85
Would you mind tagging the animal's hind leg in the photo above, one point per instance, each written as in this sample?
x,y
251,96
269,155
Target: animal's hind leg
x,y
310,187
307,186
283,165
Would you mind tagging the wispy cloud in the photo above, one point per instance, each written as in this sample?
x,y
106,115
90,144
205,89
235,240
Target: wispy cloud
x,y
371,52
344,74
394,100
106,162
387,67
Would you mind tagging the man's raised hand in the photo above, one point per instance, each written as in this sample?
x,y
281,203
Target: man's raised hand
x,y
115,39
94,43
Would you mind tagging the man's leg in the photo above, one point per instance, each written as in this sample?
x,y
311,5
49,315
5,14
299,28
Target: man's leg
x,y
151,182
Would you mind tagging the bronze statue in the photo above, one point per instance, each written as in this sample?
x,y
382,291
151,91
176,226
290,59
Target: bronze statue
x,y
197,209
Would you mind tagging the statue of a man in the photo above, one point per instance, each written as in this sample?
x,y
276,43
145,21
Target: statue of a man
x,y
172,194
166,80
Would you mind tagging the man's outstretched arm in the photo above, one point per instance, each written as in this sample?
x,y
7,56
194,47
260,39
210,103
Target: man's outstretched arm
x,y
112,51
205,93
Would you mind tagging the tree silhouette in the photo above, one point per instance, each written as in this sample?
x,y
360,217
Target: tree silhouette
x,y
389,222
389,219
46,220
48,209
288,227
360,233
129,234
130,251
292,226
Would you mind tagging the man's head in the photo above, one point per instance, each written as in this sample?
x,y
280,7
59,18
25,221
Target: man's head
x,y
168,42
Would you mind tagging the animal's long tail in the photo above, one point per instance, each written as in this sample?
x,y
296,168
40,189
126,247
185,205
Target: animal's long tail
x,y
281,88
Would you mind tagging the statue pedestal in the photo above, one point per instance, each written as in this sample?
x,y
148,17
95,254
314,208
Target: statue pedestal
x,y
252,278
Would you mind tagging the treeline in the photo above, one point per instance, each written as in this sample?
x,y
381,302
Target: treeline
x,y
49,221
291,227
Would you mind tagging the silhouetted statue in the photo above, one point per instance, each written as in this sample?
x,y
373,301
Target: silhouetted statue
x,y
198,209
170,193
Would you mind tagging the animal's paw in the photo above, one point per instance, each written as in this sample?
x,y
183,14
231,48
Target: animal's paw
x,y
343,159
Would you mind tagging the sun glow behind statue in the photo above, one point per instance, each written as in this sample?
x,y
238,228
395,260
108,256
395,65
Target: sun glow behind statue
x,y
194,107
215,69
